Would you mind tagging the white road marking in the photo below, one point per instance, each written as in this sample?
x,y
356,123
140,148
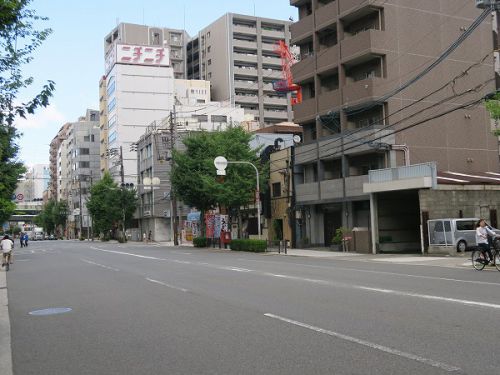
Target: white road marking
x,y
124,253
383,272
237,269
167,285
399,353
324,282
100,265
23,260
181,261
431,297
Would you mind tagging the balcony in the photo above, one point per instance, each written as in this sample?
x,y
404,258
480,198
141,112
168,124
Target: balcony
x,y
305,111
275,100
282,115
243,57
245,44
303,69
245,84
332,189
350,5
269,47
328,58
326,15
305,153
307,192
273,33
354,185
328,100
364,90
245,71
271,60
246,99
416,176
362,44
240,29
271,73
302,29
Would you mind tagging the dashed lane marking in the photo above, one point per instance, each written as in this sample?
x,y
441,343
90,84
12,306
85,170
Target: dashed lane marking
x,y
371,345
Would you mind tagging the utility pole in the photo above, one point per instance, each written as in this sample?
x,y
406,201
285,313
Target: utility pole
x,y
81,206
173,199
122,172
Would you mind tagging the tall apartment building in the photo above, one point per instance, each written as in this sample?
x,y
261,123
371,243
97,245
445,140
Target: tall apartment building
x,y
80,168
236,54
141,63
103,124
353,52
55,163
37,180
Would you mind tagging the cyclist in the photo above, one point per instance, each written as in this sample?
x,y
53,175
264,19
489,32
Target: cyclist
x,y
7,245
482,232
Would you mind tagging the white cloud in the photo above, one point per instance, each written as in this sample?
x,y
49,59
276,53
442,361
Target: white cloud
x,y
43,118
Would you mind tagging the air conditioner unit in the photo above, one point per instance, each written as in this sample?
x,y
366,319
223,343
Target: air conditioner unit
x,y
147,213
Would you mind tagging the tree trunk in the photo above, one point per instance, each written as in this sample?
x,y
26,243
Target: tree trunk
x,y
239,223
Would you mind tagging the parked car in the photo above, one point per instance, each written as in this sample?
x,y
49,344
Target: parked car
x,y
52,237
460,233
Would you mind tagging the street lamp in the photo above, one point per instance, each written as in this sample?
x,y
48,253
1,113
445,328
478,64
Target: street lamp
x,y
221,163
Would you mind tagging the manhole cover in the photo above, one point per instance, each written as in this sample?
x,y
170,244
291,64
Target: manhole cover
x,y
51,311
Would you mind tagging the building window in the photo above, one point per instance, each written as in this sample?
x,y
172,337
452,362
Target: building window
x,y
209,48
84,151
112,137
219,118
84,164
209,61
111,105
209,75
277,189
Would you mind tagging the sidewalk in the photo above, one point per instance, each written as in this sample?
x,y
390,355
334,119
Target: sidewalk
x,y
459,261
5,353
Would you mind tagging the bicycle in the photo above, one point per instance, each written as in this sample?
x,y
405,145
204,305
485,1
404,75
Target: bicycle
x,y
480,257
6,260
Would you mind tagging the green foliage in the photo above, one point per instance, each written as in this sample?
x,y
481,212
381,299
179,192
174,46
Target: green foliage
x,y
54,215
339,235
108,204
18,41
81,238
16,230
493,106
194,175
200,242
256,246
278,229
10,169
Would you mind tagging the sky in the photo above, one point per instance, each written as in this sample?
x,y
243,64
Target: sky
x,y
73,54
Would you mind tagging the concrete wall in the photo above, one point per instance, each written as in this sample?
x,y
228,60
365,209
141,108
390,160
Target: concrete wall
x,y
447,201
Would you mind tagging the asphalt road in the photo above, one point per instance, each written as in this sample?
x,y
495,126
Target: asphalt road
x,y
144,309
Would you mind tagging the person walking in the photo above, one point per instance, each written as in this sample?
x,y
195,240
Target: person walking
x,y
150,234
21,239
25,239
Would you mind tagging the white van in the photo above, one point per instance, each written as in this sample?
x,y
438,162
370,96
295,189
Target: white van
x,y
460,233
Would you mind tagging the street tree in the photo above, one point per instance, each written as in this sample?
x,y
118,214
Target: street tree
x,y
110,206
18,40
493,106
194,175
53,216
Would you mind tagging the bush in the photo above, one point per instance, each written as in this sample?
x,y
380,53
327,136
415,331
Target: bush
x,y
339,235
256,246
122,239
200,242
82,238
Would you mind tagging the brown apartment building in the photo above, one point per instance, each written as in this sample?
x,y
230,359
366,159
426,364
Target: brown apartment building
x,y
353,52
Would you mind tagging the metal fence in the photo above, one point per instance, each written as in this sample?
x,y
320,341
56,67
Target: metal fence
x,y
406,172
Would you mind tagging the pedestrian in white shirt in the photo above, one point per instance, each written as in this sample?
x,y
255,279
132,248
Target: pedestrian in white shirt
x,y
7,245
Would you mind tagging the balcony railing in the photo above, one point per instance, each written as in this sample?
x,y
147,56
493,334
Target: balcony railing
x,y
365,42
405,172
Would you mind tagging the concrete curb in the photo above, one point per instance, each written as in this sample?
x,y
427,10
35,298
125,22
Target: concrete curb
x,y
5,352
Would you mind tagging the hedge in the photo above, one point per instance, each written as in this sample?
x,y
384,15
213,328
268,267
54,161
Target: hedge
x,y
256,246
200,242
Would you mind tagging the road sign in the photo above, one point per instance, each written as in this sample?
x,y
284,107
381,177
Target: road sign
x,y
20,197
